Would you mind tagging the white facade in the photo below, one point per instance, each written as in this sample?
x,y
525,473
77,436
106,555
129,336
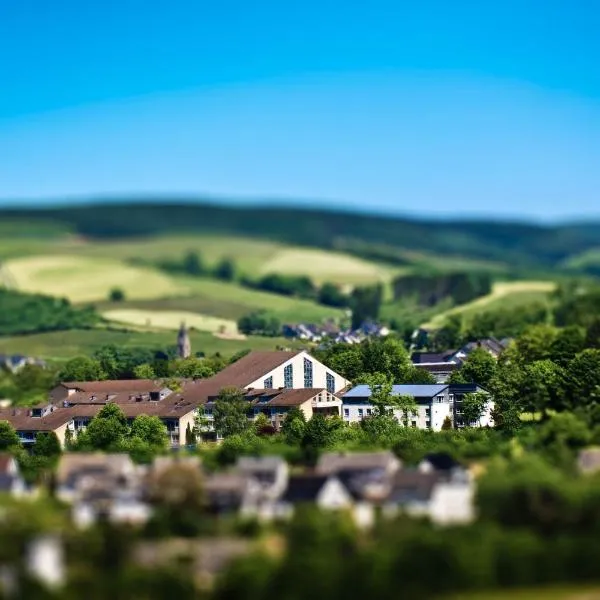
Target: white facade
x,y
428,416
293,372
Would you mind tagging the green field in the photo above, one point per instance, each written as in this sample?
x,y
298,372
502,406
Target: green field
x,y
84,279
170,319
505,294
62,345
252,257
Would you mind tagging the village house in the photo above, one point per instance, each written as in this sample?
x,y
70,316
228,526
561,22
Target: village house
x,y
73,405
441,364
435,402
428,494
98,484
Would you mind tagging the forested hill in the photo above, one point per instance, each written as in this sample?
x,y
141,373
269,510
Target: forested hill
x,y
377,237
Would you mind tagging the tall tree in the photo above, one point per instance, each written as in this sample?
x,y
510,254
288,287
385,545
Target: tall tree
x,y
150,430
568,342
9,439
479,367
473,407
230,412
106,431
82,368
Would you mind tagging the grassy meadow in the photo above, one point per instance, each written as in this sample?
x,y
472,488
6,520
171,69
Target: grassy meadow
x,y
56,262
62,345
504,294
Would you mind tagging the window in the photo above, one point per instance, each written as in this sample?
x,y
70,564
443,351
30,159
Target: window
x,y
427,412
428,423
268,383
414,423
330,383
360,412
440,399
451,398
346,412
208,411
368,411
308,373
288,376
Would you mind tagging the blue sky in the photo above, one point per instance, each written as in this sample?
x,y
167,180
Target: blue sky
x,y
433,107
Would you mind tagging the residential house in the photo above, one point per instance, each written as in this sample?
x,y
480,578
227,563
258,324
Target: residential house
x,y
428,494
99,485
72,408
121,391
15,362
366,475
444,466
271,473
435,402
11,481
327,492
232,493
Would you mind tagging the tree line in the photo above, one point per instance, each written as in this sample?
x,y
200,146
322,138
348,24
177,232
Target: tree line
x,y
22,313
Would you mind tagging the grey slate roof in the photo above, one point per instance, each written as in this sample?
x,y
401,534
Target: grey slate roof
x,y
416,390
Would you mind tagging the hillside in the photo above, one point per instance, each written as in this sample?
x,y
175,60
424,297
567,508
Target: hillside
x,y
383,238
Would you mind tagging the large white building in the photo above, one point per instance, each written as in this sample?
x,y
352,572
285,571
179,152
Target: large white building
x,y
434,402
273,383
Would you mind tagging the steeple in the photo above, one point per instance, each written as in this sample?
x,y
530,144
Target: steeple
x,y
184,347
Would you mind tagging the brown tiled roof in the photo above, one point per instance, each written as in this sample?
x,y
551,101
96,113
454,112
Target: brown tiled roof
x,y
22,421
251,367
175,406
74,462
334,462
240,374
115,385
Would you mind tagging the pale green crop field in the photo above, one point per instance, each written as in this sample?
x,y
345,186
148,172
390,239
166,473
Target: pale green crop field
x,y
505,294
86,279
170,319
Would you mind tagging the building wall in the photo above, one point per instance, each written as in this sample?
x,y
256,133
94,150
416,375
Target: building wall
x,y
431,413
319,379
334,495
61,433
183,423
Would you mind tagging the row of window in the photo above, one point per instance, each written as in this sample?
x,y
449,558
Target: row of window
x,y
288,378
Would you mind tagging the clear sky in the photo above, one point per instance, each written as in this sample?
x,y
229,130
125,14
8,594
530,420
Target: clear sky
x,y
433,107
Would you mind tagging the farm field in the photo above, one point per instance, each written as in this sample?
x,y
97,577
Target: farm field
x,y
251,256
172,320
505,294
62,345
84,279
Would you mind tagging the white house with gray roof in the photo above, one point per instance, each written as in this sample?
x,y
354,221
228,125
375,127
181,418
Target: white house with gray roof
x,y
434,402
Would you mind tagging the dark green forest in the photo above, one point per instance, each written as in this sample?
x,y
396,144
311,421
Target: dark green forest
x,y
26,313
518,244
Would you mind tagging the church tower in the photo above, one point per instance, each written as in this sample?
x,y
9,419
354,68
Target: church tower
x,y
184,347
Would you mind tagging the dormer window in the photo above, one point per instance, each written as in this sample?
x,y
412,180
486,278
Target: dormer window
x,y
268,383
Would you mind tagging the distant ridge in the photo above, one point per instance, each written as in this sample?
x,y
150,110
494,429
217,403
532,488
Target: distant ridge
x,y
381,237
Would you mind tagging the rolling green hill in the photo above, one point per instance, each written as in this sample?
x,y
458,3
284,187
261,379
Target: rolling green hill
x,y
384,237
